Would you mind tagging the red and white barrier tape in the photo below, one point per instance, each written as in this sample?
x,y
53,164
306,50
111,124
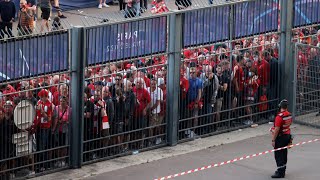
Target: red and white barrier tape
x,y
234,160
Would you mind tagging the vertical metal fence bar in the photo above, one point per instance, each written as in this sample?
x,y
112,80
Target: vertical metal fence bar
x,y
175,46
294,89
286,62
77,75
232,35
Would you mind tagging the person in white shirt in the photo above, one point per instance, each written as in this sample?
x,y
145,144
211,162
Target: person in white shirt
x,y
156,95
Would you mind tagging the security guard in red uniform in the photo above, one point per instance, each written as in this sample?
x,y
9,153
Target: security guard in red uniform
x,y
281,137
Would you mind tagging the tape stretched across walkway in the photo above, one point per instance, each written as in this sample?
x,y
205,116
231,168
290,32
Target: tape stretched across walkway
x,y
234,160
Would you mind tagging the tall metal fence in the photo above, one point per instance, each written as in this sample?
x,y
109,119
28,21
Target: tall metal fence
x,y
307,79
125,79
35,104
116,88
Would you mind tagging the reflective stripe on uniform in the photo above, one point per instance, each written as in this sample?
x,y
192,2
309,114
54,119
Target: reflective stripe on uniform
x,y
287,118
281,167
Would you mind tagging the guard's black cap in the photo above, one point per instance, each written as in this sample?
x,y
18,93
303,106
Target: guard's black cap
x,y
283,104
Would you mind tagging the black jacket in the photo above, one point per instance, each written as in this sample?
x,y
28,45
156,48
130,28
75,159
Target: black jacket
x,y
7,129
7,11
130,103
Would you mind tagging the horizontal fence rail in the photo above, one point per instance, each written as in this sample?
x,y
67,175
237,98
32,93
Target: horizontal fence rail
x,y
145,78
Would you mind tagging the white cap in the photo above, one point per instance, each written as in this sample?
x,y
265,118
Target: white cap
x,y
160,81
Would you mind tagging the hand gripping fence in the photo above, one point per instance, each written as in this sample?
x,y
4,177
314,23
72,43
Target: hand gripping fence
x,y
234,160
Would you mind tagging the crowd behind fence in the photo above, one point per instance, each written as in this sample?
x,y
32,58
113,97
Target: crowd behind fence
x,y
223,89
307,72
229,78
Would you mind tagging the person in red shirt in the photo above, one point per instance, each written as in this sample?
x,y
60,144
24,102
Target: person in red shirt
x,y
302,66
42,125
203,51
251,89
159,7
281,137
143,101
238,81
187,53
184,88
190,55
263,68
44,111
12,93
146,80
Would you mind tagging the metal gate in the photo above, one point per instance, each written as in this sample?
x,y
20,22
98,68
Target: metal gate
x,y
35,110
125,89
307,79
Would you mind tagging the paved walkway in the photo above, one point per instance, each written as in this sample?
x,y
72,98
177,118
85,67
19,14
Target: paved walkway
x,y
302,164
201,152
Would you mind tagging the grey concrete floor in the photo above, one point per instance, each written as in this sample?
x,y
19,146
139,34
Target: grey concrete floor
x,y
303,162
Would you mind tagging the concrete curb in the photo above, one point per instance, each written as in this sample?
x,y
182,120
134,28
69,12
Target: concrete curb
x,y
162,153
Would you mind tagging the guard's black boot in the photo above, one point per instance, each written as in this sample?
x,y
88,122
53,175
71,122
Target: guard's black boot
x,y
278,175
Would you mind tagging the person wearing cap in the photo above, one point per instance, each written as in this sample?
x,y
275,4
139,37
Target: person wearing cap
x,y
42,125
281,137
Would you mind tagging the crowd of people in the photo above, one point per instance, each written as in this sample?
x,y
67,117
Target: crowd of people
x,y
218,84
308,68
232,83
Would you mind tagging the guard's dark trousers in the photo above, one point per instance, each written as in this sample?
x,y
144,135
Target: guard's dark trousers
x,y
282,155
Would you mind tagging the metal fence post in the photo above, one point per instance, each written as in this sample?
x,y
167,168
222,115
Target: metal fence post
x,y
231,35
175,45
294,74
286,53
77,103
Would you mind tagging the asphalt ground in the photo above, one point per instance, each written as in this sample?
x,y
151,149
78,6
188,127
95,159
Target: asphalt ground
x,y
303,161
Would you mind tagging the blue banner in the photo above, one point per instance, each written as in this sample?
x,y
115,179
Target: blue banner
x,y
33,56
256,17
126,40
306,12
206,26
